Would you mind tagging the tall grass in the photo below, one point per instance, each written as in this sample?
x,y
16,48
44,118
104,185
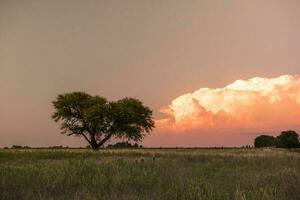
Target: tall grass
x,y
150,174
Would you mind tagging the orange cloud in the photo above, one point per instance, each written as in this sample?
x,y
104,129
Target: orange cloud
x,y
257,103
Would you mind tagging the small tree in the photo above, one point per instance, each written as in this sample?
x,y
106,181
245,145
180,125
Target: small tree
x,y
288,139
264,141
98,120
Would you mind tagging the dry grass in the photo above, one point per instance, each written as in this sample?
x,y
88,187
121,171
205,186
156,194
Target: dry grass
x,y
150,174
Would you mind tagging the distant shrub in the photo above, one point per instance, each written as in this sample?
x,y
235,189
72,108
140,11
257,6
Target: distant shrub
x,y
56,147
16,147
288,139
264,141
123,145
20,147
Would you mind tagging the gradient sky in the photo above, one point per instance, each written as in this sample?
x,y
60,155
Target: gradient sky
x,y
151,50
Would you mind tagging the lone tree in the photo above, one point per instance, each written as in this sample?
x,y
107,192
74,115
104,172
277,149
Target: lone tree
x,y
98,120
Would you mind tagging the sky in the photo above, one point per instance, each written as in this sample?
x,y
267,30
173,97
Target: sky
x,y
156,51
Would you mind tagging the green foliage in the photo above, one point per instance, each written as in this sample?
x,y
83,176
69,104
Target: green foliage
x,y
288,139
265,141
97,119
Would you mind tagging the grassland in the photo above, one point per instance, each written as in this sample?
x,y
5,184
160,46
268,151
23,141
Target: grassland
x,y
150,174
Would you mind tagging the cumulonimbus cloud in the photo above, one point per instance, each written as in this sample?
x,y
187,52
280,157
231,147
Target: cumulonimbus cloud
x,y
244,104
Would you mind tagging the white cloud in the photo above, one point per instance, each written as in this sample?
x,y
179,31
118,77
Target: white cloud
x,y
254,103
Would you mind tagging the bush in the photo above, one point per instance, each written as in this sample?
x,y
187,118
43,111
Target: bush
x,y
20,147
265,141
288,139
123,145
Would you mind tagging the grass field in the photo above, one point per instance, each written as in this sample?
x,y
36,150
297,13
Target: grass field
x,y
150,174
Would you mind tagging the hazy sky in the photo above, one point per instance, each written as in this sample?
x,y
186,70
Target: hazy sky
x,y
151,50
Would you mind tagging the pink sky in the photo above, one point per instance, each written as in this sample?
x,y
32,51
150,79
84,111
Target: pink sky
x,y
156,51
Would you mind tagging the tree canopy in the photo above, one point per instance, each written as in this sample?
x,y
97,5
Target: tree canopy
x,y
98,120
286,139
265,141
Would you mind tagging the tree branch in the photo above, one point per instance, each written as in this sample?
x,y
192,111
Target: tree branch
x,y
104,140
86,137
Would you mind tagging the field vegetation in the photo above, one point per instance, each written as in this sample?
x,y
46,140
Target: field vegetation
x,y
150,174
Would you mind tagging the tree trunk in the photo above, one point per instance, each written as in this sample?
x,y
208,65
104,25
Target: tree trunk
x,y
93,142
